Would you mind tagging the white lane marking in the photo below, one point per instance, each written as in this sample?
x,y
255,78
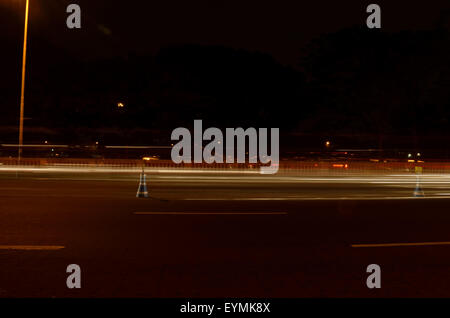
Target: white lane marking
x,y
314,199
210,213
31,247
401,244
90,169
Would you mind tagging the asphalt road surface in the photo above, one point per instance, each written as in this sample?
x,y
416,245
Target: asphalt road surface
x,y
221,235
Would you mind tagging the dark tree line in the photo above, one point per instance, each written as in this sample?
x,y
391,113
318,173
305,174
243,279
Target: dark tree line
x,y
354,82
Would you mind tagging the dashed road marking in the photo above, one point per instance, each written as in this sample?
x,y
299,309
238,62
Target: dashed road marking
x,y
32,247
401,244
210,213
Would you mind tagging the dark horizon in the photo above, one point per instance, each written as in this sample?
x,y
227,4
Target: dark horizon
x,y
334,77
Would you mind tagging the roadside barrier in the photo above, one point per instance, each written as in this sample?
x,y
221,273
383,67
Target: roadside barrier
x,y
329,168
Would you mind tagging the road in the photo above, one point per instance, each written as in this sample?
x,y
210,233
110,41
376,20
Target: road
x,y
223,235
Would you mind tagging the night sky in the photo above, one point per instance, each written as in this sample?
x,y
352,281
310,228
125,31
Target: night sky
x,y
281,28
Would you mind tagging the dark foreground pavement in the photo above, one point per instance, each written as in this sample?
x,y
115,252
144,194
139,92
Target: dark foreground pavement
x,y
238,248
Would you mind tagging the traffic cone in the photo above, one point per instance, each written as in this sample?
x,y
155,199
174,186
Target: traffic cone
x,y
142,189
418,192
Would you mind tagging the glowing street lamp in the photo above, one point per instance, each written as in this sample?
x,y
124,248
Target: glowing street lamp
x,y
22,92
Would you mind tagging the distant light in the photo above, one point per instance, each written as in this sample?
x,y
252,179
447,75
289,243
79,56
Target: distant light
x,y
418,154
327,143
409,155
120,105
96,142
46,142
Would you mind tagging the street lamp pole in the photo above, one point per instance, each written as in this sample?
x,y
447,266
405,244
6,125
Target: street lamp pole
x,y
22,94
